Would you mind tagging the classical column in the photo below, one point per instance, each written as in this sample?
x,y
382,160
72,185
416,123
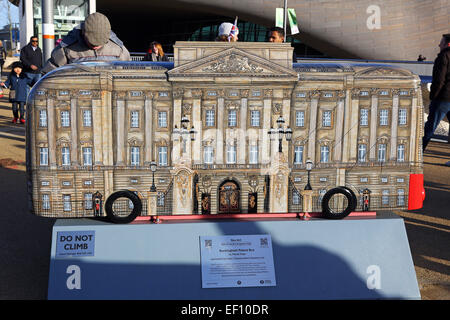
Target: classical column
x,y
105,100
176,150
286,114
267,111
416,127
394,125
97,129
351,126
373,125
339,119
74,129
51,129
148,127
219,132
120,130
241,141
313,126
196,120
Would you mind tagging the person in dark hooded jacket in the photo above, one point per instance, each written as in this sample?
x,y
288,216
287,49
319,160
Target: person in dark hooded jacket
x,y
440,90
18,81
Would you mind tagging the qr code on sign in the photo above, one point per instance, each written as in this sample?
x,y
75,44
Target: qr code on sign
x,y
263,242
208,243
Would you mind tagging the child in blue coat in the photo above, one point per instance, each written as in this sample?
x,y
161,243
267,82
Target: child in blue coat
x,y
18,81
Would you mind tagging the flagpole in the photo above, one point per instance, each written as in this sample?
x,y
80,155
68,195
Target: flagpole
x,y
285,19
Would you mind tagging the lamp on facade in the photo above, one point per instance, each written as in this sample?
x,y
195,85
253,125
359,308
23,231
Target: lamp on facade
x,y
309,166
153,169
279,133
183,132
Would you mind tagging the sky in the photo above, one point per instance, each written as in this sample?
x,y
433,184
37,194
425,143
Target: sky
x,y
4,13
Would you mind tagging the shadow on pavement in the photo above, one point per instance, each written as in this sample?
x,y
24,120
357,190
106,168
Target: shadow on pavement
x,y
25,241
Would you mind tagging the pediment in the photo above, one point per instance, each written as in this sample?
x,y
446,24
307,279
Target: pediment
x,y
383,71
231,63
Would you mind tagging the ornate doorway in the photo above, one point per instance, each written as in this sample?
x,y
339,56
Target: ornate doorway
x,y
229,197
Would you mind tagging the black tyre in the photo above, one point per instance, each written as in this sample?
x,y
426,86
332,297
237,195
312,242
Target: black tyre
x,y
123,206
338,202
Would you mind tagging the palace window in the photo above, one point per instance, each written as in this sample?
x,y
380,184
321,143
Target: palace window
x,y
46,202
295,197
253,155
402,116
135,156
362,152
385,197
383,117
43,156
87,118
162,119
88,201
65,119
210,118
401,153
162,156
208,154
134,123
160,199
254,118
382,152
232,118
231,154
43,118
321,195
326,119
67,202
87,156
65,156
364,117
401,197
300,118
298,154
324,154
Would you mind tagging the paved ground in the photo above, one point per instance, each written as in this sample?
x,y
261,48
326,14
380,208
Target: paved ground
x,y
25,239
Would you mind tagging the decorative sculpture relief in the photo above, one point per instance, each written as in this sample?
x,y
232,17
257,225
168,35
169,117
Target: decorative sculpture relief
x,y
233,63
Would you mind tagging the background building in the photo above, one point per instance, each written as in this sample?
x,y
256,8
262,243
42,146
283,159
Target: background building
x,y
365,29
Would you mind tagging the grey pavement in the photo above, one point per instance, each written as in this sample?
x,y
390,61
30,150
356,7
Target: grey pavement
x,y
25,239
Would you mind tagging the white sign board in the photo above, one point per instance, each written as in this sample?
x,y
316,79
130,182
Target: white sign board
x,y
237,261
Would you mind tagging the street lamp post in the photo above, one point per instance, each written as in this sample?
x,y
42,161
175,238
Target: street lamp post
x,y
309,166
279,133
153,169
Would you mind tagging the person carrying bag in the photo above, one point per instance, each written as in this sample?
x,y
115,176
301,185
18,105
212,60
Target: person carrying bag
x,y
18,89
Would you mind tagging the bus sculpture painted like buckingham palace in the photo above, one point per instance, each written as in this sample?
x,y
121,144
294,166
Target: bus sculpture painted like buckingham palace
x,y
227,128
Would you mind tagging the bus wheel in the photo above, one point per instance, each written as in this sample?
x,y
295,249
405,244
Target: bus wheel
x,y
123,206
338,202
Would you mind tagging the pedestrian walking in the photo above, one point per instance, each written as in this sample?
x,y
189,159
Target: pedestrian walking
x,y
440,90
31,58
17,83
2,57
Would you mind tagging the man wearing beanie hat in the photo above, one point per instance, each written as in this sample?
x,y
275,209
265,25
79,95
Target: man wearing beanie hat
x,y
90,41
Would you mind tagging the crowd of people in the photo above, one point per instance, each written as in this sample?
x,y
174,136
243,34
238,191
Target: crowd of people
x,y
94,40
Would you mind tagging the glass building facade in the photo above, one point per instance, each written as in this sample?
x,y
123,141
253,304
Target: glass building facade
x,y
67,15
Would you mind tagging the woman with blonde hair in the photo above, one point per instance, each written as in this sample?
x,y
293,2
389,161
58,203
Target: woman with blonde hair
x,y
155,53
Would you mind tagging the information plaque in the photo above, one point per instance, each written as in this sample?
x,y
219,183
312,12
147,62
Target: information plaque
x,y
237,261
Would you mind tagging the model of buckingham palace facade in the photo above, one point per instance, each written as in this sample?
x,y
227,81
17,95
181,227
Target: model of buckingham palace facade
x,y
204,120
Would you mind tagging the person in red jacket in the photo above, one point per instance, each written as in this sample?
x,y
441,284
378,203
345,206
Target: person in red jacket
x,y
440,90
